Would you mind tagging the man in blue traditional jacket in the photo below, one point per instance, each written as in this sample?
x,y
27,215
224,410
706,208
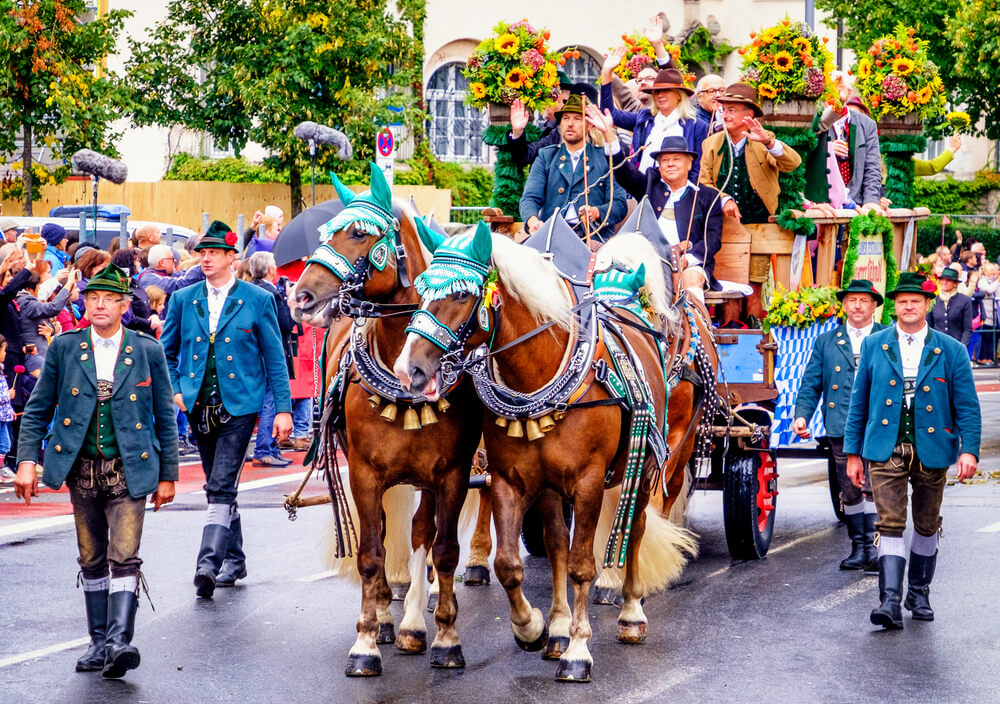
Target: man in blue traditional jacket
x,y
224,349
830,375
914,412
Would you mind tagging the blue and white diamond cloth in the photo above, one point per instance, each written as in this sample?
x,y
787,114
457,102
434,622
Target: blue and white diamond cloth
x,y
794,347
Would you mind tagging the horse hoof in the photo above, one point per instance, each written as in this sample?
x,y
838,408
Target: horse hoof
x,y
476,576
386,634
399,591
607,596
363,666
432,602
555,646
631,631
535,645
573,671
411,641
450,657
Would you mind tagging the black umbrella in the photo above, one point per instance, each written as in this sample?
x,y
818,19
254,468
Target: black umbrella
x,y
300,237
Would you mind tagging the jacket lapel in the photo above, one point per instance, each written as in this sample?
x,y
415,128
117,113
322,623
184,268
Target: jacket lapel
x,y
892,350
564,164
200,303
125,362
929,357
234,302
86,356
844,343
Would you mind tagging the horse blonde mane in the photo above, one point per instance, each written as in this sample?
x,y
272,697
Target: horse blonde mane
x,y
631,249
532,280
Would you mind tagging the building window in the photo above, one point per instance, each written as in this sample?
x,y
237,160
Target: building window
x,y
934,149
455,130
586,69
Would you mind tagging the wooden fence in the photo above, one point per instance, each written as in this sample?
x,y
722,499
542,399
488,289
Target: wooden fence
x,y
183,202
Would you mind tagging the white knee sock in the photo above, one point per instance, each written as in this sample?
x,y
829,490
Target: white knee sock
x,y
96,585
925,545
124,584
219,515
891,546
854,509
869,506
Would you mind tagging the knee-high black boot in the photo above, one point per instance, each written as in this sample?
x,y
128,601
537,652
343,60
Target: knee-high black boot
x,y
918,595
855,523
97,626
871,552
235,565
889,614
214,542
120,654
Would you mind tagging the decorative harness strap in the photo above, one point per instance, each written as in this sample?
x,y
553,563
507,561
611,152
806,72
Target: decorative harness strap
x,y
374,377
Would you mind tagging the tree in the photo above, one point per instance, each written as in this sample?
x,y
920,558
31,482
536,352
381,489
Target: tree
x,y
974,32
250,70
52,89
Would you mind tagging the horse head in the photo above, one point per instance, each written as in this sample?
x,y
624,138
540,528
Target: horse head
x,y
358,255
457,312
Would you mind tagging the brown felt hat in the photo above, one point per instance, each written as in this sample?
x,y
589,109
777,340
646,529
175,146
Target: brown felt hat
x,y
742,93
669,79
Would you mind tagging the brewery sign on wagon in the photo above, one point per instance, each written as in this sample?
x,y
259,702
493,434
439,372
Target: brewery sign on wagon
x,y
870,262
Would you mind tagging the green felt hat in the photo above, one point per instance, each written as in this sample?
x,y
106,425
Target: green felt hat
x,y
949,273
861,286
110,278
218,236
913,282
573,104
564,80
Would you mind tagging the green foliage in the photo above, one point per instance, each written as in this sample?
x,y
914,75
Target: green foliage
x,y
49,92
250,70
508,177
953,196
872,225
898,151
699,50
974,33
793,183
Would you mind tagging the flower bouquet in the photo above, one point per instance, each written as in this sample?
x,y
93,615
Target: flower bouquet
x,y
789,64
958,120
899,84
640,54
513,63
802,309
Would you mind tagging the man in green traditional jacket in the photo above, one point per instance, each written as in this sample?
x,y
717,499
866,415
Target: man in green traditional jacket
x,y
106,392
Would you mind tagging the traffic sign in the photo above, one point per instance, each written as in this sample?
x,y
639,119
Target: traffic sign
x,y
385,142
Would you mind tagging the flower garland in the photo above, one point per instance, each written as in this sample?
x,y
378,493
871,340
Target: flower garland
x,y
788,62
898,150
793,183
639,54
513,63
508,177
872,225
803,308
896,77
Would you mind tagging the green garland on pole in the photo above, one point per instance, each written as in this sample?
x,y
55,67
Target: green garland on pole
x,y
793,183
870,225
508,177
898,151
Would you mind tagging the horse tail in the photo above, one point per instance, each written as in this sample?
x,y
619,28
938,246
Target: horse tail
x,y
663,553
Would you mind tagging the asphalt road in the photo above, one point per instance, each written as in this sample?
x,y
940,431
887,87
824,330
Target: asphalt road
x,y
791,627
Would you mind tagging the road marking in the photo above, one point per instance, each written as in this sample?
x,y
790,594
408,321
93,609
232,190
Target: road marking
x,y
318,576
776,550
994,528
261,483
42,652
840,596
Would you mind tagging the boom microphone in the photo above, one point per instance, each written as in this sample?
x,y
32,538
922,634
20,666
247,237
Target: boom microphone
x,y
321,134
90,162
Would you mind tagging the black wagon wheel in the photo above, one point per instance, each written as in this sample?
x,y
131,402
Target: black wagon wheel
x,y
531,528
749,497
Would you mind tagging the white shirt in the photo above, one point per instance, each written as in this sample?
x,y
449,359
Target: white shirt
x,y
663,126
668,223
858,335
840,126
776,151
106,353
216,299
911,347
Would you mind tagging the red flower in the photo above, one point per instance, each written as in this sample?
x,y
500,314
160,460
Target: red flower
x,y
874,290
19,369
231,238
929,286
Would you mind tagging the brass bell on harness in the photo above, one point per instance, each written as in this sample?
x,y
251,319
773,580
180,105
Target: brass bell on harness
x,y
545,423
427,416
501,421
443,404
389,413
532,429
410,420
374,401
515,429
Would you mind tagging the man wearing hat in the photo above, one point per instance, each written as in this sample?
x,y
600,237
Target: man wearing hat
x,y
914,413
8,228
952,312
744,160
572,177
830,375
224,350
105,391
523,152
55,250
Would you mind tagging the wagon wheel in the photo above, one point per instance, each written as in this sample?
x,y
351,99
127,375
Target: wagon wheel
x,y
531,528
749,495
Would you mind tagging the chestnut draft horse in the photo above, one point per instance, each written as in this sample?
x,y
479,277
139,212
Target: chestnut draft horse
x,y
484,289
363,265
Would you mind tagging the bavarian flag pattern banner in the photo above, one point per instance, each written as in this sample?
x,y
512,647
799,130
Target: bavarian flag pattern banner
x,y
794,347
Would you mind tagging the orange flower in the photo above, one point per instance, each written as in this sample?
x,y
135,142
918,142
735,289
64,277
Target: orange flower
x,y
516,78
783,61
924,95
741,51
753,34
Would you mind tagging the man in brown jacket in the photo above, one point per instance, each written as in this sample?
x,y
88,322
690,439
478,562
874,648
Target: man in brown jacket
x,y
743,161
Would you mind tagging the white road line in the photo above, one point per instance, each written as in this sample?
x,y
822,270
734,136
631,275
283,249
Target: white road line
x,y
42,652
318,576
838,597
994,528
261,483
778,549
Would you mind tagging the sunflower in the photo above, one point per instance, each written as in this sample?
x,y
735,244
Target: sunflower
x,y
802,45
516,78
478,90
507,44
783,61
924,95
902,66
766,90
864,69
549,75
